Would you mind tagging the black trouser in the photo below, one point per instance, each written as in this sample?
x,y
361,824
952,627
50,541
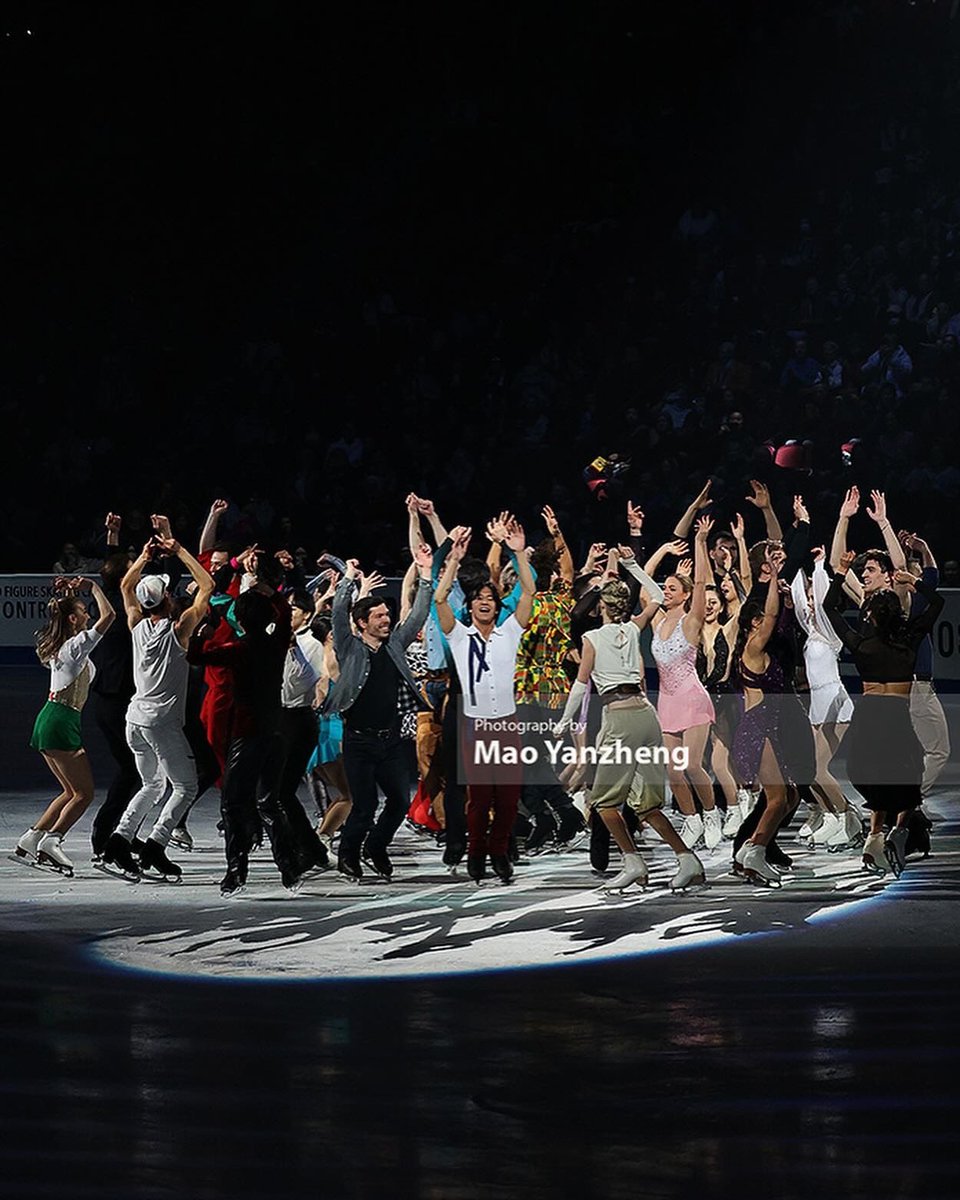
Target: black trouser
x,y
374,760
110,714
454,789
298,733
541,788
249,799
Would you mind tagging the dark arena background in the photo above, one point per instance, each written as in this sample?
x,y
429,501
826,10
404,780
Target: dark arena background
x,y
312,258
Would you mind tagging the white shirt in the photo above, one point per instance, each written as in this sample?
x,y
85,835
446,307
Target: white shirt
x,y
486,667
71,658
302,667
160,673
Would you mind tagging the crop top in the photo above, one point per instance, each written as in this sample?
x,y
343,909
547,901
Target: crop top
x,y
878,660
714,680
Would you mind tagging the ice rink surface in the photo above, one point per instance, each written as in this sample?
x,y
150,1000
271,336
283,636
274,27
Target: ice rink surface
x,y
429,1037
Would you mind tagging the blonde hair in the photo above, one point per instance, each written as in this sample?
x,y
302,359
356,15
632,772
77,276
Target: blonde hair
x,y
615,596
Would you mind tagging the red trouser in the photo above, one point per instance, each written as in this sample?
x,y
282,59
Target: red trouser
x,y
493,791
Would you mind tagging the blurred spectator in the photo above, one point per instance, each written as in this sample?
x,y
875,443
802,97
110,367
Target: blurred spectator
x,y
801,372
889,363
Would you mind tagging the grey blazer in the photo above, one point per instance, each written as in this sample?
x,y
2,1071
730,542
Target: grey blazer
x,y
353,657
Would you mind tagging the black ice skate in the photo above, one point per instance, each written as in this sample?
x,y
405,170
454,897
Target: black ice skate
x,y
154,858
118,859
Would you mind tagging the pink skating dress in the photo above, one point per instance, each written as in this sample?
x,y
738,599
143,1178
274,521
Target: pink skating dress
x,y
682,701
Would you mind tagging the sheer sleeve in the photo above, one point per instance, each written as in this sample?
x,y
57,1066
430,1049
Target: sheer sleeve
x,y
798,589
833,605
821,585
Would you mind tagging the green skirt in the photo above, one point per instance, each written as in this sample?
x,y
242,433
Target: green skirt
x,y
57,727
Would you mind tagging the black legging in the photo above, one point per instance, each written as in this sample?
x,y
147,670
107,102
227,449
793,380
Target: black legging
x,y
250,799
110,714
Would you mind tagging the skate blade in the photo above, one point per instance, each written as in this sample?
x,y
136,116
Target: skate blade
x,y
48,865
22,858
117,872
760,880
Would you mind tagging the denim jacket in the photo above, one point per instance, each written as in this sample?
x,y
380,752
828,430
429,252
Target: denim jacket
x,y
353,657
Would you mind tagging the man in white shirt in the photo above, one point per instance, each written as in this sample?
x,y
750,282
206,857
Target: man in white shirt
x,y
485,655
302,670
156,712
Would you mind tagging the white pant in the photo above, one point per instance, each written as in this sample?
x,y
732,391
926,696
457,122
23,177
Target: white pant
x,y
163,755
930,726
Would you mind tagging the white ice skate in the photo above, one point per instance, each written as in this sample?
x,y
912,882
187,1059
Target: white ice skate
x,y
849,832
873,856
634,870
691,831
733,820
712,828
26,848
811,824
753,859
689,874
828,827
50,854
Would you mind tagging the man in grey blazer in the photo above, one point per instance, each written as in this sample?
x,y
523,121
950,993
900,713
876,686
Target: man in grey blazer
x,y
373,669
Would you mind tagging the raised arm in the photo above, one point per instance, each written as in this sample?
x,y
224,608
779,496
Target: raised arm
x,y
516,541
191,617
105,610
920,625
408,628
647,583
635,528
848,509
496,532
112,525
676,548
128,584
342,602
208,534
799,542
565,561
834,603
771,607
820,585
702,575
744,576
414,532
760,499
890,540
436,525
441,597
682,527
801,608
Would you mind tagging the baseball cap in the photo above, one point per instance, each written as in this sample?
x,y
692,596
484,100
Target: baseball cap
x,y
151,589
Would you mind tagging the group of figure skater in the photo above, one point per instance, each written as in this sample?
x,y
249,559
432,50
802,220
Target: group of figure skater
x,y
230,671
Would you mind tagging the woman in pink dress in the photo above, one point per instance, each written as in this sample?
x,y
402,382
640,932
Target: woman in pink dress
x,y
684,706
